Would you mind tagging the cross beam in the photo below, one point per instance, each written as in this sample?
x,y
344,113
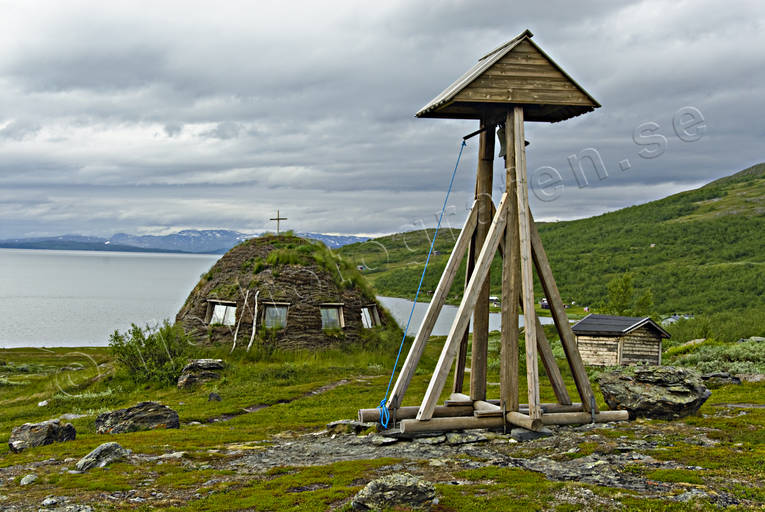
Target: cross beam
x,y
278,219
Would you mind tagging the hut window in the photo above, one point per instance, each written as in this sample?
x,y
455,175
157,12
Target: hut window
x,y
222,313
369,316
332,316
275,316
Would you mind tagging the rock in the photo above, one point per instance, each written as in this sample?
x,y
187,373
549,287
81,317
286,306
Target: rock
x,y
30,435
465,437
50,501
348,427
197,365
200,370
397,490
751,377
663,392
719,379
28,479
431,440
382,440
690,343
758,339
522,435
143,416
44,403
186,380
102,456
214,397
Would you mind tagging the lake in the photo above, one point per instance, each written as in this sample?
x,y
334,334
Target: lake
x,y
78,298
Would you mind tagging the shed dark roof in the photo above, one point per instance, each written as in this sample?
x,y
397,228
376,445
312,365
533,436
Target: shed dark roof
x,y
615,325
527,81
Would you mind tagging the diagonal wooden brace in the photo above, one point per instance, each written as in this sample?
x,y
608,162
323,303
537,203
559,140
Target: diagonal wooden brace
x,y
434,308
462,319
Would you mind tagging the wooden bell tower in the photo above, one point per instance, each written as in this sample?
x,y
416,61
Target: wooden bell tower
x,y
515,82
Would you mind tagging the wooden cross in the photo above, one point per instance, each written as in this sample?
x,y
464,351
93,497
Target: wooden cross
x,y
278,219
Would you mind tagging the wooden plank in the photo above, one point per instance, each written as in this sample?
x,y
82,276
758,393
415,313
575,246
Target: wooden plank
x,y
462,318
524,82
511,282
523,96
484,409
479,348
568,340
456,399
434,308
527,273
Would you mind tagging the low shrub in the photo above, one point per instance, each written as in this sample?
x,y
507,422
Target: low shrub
x,y
153,354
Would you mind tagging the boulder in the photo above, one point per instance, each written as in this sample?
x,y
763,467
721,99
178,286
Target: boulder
x,y
663,392
719,379
348,427
30,435
757,339
397,490
198,365
28,479
102,456
143,416
200,370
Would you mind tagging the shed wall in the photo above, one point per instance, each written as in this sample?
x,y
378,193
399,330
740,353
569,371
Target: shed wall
x,y
641,346
599,350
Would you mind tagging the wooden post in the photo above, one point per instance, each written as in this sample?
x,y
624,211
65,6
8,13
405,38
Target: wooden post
x,y
511,281
527,273
434,308
462,318
459,365
568,340
480,346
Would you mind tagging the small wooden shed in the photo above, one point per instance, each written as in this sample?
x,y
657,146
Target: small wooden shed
x,y
606,340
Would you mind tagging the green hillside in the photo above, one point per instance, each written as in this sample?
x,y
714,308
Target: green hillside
x,y
698,251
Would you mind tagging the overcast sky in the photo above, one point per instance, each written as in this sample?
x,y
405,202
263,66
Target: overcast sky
x,y
150,117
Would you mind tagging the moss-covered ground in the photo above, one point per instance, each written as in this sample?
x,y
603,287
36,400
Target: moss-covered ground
x,y
730,455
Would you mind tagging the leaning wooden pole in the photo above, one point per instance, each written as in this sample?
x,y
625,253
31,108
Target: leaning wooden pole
x,y
434,308
567,338
462,318
479,349
527,273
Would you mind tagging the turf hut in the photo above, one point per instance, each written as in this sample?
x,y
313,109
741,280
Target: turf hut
x,y
606,340
283,290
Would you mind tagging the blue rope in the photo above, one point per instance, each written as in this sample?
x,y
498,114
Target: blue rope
x,y
384,413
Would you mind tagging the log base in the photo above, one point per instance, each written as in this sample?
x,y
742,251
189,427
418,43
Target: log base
x,y
441,424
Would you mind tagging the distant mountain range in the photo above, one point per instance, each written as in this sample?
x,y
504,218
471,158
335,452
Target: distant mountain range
x,y
208,241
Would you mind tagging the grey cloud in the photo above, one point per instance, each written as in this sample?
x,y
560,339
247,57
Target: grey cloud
x,y
19,130
225,114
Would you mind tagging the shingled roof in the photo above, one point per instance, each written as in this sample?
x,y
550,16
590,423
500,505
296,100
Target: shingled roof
x,y
516,72
608,325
